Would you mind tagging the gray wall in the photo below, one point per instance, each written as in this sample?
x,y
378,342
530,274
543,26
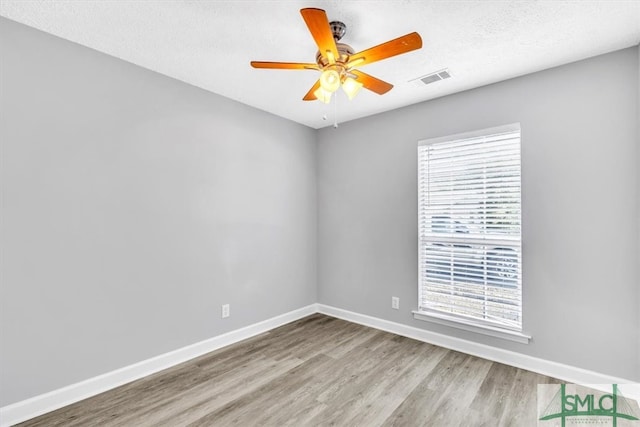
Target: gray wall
x,y
133,206
580,208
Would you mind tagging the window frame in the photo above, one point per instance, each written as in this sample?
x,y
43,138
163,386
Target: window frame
x,y
458,320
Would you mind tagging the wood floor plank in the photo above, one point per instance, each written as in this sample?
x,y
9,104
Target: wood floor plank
x,y
445,391
495,390
522,402
356,367
257,406
394,385
318,371
204,399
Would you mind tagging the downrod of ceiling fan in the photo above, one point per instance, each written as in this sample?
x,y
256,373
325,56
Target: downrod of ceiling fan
x,y
338,29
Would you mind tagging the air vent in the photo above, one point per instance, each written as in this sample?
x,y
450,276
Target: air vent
x,y
432,77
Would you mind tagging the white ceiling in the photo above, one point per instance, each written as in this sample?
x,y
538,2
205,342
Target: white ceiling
x,y
210,43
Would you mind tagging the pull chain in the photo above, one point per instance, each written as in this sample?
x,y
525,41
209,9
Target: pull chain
x,y
335,111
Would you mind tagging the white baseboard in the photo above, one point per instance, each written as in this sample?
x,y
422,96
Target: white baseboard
x,y
557,370
38,405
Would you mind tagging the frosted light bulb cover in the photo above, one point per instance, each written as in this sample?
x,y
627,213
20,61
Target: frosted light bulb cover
x,y
351,87
322,95
330,80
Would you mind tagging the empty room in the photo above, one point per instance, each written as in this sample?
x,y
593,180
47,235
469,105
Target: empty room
x,y
314,213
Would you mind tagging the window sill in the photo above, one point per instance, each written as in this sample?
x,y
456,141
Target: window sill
x,y
470,326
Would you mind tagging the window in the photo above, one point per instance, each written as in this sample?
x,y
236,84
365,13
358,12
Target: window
x,y
469,229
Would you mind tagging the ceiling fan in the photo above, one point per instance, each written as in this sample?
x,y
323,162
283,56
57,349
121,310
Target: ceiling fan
x,y
336,61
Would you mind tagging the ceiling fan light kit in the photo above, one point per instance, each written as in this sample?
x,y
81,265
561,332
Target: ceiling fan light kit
x,y
336,61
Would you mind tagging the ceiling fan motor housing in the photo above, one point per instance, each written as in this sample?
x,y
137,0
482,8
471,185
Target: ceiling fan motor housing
x,y
344,51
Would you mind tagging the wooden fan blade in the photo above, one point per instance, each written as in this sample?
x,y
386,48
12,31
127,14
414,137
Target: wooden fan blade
x,y
310,96
372,83
318,24
394,47
284,65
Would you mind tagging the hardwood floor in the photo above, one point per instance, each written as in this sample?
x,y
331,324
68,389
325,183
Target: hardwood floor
x,y
319,371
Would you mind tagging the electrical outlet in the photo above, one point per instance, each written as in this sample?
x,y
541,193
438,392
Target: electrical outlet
x,y
226,311
395,303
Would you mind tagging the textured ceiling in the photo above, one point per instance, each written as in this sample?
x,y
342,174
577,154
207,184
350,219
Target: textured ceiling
x,y
210,43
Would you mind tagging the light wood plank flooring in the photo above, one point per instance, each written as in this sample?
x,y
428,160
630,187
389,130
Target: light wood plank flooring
x,y
319,371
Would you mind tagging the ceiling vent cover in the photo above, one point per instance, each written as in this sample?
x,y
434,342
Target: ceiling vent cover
x,y
432,77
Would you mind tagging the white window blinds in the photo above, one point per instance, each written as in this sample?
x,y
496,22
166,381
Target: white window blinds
x,y
469,228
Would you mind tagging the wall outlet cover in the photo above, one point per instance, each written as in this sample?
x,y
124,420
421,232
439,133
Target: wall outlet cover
x,y
226,310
